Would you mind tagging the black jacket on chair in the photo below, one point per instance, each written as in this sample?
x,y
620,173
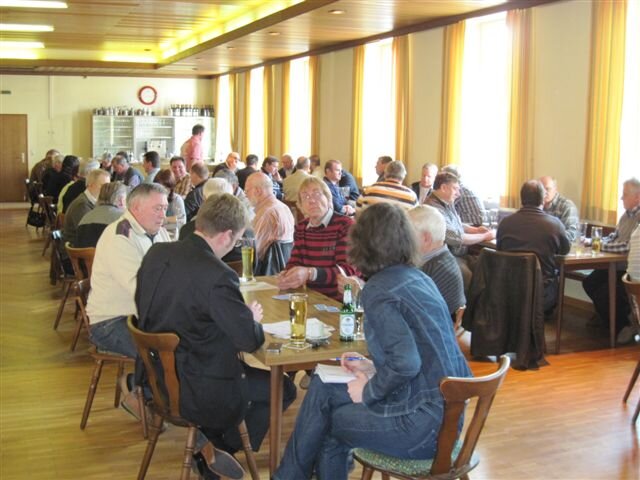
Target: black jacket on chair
x,y
185,289
504,308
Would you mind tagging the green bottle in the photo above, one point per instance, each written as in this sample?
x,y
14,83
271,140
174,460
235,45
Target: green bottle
x,y
347,316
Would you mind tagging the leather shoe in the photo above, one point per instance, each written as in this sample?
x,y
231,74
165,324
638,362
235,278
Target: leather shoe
x,y
210,460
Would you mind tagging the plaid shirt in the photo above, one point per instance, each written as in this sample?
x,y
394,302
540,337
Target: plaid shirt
x,y
183,186
618,241
469,207
565,210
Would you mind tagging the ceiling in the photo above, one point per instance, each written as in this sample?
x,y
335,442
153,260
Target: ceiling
x,y
204,38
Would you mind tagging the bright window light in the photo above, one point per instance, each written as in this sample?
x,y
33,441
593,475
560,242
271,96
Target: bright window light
x,y
485,106
256,113
223,120
299,109
378,124
17,27
630,124
32,4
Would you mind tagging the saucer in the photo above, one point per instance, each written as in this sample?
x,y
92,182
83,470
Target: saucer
x,y
319,337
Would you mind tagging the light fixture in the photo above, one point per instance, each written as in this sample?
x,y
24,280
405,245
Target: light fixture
x,y
273,34
17,27
20,45
336,11
32,4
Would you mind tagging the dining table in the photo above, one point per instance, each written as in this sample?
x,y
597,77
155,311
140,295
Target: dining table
x,y
263,290
587,259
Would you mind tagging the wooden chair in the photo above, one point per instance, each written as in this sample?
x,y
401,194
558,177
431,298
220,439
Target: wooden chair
x,y
237,266
57,270
453,459
33,192
633,292
457,327
100,357
81,261
157,351
48,207
298,216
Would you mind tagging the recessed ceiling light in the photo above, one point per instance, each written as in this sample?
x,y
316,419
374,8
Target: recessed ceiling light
x,y
273,34
21,45
17,27
32,4
336,11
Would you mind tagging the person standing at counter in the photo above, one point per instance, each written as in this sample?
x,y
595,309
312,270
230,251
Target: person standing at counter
x,y
191,150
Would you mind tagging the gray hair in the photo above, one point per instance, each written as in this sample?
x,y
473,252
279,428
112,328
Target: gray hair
x,y
395,170
120,160
452,169
228,175
222,212
110,192
427,219
95,174
216,185
87,167
303,163
634,183
145,190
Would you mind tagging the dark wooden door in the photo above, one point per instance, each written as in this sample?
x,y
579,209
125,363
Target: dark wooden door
x,y
13,157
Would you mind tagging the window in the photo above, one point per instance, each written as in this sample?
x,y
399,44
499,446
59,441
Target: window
x,y
299,109
485,107
378,124
630,125
255,122
223,120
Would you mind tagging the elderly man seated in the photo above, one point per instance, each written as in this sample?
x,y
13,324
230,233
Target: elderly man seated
x,y
390,190
320,243
560,207
83,204
437,261
273,221
111,204
113,279
468,205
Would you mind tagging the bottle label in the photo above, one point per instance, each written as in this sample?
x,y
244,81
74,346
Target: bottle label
x,y
347,324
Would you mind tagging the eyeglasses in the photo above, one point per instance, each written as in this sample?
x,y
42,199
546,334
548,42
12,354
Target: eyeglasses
x,y
315,195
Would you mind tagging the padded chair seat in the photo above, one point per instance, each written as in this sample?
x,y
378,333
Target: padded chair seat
x,y
408,467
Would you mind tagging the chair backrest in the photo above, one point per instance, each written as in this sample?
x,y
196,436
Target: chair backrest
x,y
298,216
457,392
633,292
236,265
275,258
81,260
82,294
157,351
34,189
47,206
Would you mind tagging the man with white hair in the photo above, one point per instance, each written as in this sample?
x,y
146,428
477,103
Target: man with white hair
x,y
287,166
210,187
597,283
83,204
560,207
437,261
273,221
71,191
390,190
468,205
424,187
112,201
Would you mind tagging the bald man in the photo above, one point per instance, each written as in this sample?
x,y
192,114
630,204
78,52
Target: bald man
x,y
560,207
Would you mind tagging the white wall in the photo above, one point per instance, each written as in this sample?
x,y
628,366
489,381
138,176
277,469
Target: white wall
x,y
59,108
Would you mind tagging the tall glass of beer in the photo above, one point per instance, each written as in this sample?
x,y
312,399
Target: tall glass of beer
x,y
248,255
596,240
298,318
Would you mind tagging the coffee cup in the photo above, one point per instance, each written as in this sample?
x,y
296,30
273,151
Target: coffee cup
x,y
315,329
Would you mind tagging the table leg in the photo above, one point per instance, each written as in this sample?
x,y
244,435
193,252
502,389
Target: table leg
x,y
275,417
612,304
559,307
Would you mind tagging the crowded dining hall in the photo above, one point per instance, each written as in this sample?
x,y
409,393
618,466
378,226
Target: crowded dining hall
x,y
320,239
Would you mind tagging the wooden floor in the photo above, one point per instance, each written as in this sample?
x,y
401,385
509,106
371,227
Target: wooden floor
x,y
565,421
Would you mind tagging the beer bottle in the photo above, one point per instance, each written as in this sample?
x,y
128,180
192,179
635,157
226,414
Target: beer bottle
x,y
347,316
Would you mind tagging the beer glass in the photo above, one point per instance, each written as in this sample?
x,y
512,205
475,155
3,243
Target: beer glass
x,y
298,318
596,240
359,333
248,250
579,240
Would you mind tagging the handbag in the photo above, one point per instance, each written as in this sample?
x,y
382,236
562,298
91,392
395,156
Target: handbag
x,y
36,219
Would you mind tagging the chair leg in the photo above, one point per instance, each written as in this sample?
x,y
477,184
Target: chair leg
x,y
143,417
156,426
188,453
46,244
76,333
248,451
92,392
367,473
637,412
632,382
116,401
62,304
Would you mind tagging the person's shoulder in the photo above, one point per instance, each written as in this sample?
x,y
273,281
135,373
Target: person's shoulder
x,y
339,219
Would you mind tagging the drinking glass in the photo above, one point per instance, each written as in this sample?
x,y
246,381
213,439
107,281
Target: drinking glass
x,y
578,242
298,318
248,251
359,333
493,218
596,240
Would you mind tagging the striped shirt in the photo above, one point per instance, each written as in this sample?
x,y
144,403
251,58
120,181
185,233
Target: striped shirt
x,y
469,207
565,210
388,191
323,248
443,269
618,241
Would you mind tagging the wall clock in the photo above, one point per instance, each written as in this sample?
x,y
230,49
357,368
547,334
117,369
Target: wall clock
x,y
147,95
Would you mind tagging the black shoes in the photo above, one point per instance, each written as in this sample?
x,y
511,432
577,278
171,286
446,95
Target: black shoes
x,y
212,463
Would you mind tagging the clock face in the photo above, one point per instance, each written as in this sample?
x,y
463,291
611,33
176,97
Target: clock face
x,y
147,95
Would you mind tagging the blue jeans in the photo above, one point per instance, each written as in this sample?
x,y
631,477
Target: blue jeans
x,y
113,335
329,425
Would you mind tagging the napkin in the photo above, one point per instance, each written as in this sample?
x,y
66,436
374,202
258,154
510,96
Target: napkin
x,y
283,329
